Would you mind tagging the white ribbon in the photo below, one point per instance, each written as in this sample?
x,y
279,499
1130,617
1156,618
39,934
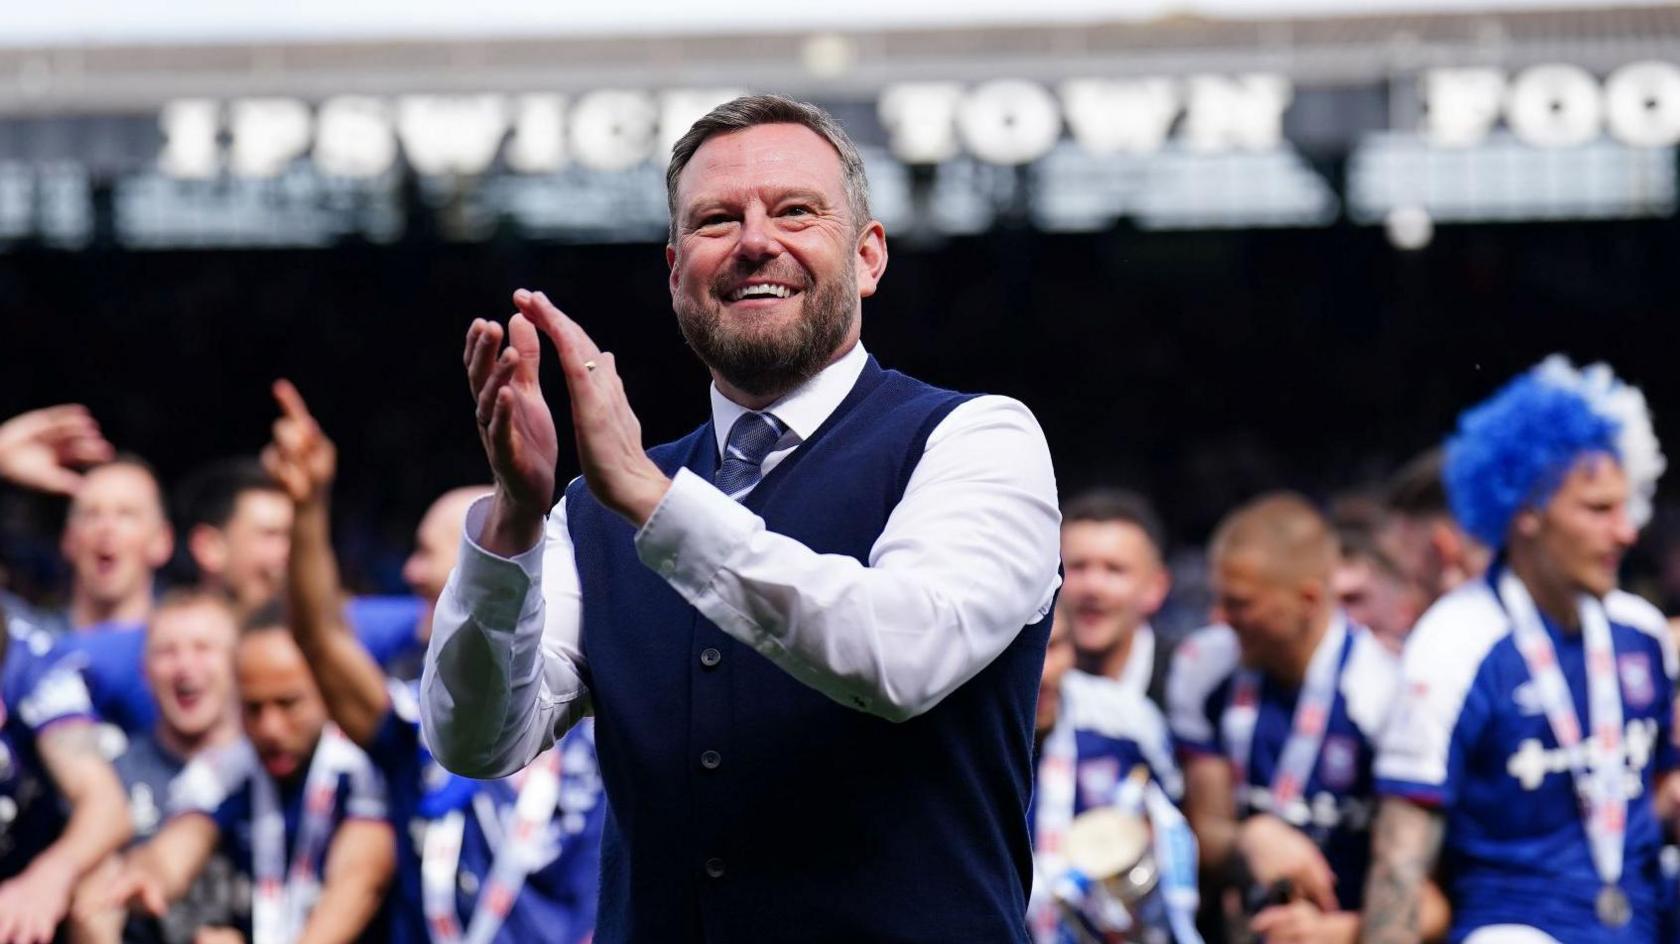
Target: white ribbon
x,y
522,844
282,898
1595,767
1306,736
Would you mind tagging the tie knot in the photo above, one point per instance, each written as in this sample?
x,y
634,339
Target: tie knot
x,y
750,440
753,436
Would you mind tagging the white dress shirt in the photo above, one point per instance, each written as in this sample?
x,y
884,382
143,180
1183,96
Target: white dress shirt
x,y
968,557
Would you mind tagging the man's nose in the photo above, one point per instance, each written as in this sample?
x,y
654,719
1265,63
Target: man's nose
x,y
266,726
759,239
1625,533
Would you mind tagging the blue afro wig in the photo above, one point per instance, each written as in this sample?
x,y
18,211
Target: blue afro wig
x,y
1514,449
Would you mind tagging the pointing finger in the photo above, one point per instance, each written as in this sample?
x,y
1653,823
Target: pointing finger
x,y
291,402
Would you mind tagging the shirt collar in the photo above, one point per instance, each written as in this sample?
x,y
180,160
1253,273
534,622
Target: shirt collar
x,y
804,408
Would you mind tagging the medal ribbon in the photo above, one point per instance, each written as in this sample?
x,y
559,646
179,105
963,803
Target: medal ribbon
x,y
1053,815
1595,767
1306,736
519,853
282,898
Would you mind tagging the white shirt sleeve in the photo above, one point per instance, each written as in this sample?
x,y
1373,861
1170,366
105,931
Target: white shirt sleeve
x,y
503,677
967,558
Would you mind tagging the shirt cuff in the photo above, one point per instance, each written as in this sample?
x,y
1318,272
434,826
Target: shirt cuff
x,y
491,587
693,532
1433,796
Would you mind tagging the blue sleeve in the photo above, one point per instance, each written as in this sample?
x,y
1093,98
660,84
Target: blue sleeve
x,y
1425,749
44,690
385,625
111,664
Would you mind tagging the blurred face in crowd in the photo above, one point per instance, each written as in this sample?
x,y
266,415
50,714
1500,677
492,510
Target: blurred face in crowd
x,y
1058,659
189,665
1378,599
437,542
768,267
1270,606
1113,581
247,556
116,535
1577,540
1431,553
281,708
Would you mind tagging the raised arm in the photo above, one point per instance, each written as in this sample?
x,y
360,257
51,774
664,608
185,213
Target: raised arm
x,y
1405,841
360,862
967,557
33,903
503,673
42,449
303,460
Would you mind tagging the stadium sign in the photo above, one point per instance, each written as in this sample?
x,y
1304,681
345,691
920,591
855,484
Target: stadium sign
x,y
1555,105
1001,122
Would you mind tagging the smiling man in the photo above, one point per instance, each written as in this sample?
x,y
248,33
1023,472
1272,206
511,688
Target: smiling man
x,y
810,631
1115,580
296,807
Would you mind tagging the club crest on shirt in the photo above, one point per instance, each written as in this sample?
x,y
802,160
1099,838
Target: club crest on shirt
x,y
1637,688
1338,763
1097,779
1527,697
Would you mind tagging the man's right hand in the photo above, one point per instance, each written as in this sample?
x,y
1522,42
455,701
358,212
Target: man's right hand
x,y
517,430
1276,851
42,449
137,889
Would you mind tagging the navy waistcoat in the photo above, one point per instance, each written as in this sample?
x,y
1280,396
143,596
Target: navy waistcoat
x,y
748,807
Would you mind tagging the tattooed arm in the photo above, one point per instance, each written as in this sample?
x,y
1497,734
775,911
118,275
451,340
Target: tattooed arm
x,y
1406,839
33,903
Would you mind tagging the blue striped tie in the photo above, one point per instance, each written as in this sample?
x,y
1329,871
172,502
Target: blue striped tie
x,y
750,440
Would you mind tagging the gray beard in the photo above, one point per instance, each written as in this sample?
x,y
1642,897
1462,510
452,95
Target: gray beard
x,y
768,365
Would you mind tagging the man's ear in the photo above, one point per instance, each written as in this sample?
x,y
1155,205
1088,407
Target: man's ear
x,y
1528,523
871,258
208,549
1155,594
671,268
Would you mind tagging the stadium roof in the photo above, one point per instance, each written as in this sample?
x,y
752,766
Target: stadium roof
x,y
1310,50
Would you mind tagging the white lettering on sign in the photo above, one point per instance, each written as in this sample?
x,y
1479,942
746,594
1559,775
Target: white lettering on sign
x,y
358,136
354,138
1014,122
1642,104
1129,116
1009,122
189,138
614,130
267,135
538,145
451,134
1555,105
1242,113
920,118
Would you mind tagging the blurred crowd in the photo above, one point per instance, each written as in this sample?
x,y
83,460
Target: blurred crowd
x,y
238,756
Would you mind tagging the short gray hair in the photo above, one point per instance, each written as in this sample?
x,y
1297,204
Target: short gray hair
x,y
750,111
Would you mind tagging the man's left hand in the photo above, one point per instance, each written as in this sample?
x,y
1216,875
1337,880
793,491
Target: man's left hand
x,y
1300,923
301,457
609,437
32,904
